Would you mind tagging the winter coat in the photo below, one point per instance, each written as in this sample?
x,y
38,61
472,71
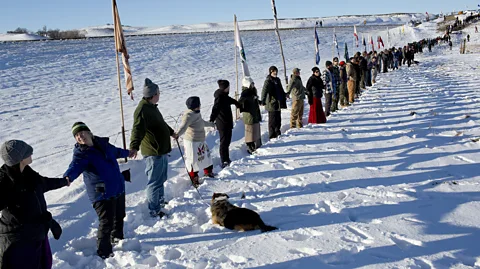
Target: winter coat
x,y
336,74
251,108
150,133
343,75
101,174
363,64
222,111
314,88
358,73
24,209
328,81
273,96
351,72
193,126
295,88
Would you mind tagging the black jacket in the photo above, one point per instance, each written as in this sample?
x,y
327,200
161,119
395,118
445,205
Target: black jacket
x,y
23,205
314,88
221,110
251,106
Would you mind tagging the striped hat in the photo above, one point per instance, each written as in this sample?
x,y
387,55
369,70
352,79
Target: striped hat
x,y
78,127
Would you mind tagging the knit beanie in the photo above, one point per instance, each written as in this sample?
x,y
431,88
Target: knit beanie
x,y
78,127
14,151
328,63
314,69
193,102
223,84
246,82
150,89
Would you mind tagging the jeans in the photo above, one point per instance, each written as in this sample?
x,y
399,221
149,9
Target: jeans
x,y
156,170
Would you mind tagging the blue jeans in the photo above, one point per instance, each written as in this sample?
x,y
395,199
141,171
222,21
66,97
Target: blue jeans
x,y
156,171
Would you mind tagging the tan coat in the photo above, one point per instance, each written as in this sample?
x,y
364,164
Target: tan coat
x,y
193,126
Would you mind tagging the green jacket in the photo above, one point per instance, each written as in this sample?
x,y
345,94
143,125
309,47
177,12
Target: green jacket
x,y
150,133
273,96
295,88
251,109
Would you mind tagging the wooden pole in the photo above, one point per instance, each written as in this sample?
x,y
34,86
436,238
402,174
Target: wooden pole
x,y
280,42
237,111
119,82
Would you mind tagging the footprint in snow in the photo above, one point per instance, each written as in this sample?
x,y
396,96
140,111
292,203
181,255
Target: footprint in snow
x,y
282,166
296,236
423,264
364,237
405,243
461,158
327,206
304,251
326,175
173,254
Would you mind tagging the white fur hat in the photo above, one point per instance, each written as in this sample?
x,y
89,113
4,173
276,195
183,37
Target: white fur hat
x,y
246,82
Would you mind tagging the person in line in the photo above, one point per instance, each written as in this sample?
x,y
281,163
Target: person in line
x,y
25,220
343,85
274,99
336,92
352,79
151,134
314,92
197,153
96,158
329,85
296,91
222,116
251,115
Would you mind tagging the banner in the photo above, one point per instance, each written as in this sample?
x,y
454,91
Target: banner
x,y
121,47
241,51
355,35
317,52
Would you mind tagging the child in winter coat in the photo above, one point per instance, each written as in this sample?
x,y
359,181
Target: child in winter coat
x,y
25,221
197,152
251,115
97,160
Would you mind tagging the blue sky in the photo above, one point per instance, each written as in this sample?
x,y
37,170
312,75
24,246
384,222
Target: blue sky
x,y
74,14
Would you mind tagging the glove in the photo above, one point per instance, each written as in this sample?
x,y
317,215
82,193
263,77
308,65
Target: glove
x,y
55,229
126,175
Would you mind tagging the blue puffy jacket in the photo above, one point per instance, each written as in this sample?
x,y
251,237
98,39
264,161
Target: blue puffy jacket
x,y
101,173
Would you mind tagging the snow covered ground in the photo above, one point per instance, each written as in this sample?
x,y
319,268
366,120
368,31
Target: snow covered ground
x,y
390,182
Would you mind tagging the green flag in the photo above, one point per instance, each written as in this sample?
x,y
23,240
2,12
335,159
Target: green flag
x,y
347,58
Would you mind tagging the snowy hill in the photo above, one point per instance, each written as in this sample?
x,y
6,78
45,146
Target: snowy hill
x,y
389,182
338,21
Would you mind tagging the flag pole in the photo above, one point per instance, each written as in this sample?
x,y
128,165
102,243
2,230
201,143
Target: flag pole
x,y
279,41
236,61
119,80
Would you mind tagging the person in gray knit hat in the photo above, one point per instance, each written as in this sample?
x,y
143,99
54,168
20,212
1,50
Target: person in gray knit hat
x,y
14,151
25,220
151,134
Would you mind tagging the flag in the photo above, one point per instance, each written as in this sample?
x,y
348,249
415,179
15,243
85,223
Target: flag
x,y
241,51
363,42
347,58
371,42
121,47
380,41
335,42
355,35
317,52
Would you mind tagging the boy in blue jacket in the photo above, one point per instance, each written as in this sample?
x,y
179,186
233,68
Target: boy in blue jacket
x,y
97,160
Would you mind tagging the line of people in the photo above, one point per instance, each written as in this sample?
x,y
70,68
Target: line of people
x,y
25,220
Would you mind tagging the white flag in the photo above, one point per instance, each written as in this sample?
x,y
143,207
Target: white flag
x,y
241,51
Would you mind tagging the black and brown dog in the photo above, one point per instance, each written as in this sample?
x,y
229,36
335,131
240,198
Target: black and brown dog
x,y
235,218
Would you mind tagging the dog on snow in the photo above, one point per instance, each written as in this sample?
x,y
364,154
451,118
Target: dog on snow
x,y
235,218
